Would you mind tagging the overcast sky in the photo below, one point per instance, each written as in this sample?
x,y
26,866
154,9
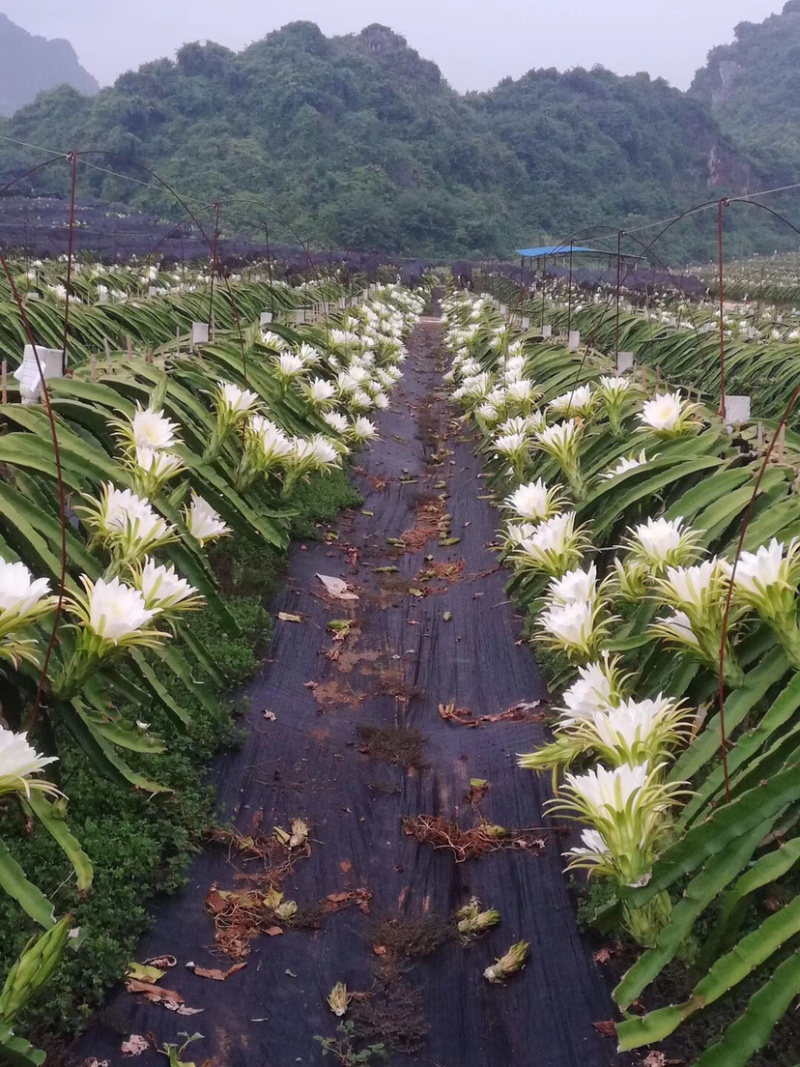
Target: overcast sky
x,y
475,42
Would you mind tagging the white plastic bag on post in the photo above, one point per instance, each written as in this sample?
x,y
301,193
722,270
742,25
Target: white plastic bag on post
x,y
27,373
737,410
574,340
199,333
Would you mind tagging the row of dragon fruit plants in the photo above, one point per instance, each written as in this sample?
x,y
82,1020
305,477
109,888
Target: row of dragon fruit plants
x,y
623,504
762,351
148,306
159,457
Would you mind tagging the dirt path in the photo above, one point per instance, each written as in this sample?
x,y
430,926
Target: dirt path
x,y
404,656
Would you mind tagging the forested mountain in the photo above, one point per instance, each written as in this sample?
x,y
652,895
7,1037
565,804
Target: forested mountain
x,y
30,64
752,87
357,141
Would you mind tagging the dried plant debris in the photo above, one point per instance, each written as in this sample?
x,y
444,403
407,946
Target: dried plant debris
x,y
403,746
411,937
472,920
508,965
440,832
522,712
451,571
391,1013
240,916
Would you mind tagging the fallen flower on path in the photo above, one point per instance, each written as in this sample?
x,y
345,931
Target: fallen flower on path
x,y
514,960
135,1045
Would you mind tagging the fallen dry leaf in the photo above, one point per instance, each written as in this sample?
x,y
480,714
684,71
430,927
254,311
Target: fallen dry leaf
x,y
217,975
152,992
270,716
336,587
273,931
162,962
337,901
181,1009
606,1028
135,1045
288,616
602,955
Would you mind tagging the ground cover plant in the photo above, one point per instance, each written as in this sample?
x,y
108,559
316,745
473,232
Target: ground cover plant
x,y
624,502
161,453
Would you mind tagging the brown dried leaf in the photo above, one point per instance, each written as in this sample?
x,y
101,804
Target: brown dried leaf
x,y
217,975
606,1028
164,963
602,955
273,931
152,992
337,901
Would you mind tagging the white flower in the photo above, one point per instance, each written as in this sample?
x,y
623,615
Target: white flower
x,y
336,421
288,365
609,790
151,429
558,437
236,400
571,626
593,691
758,570
554,546
20,593
629,726
162,588
578,401
534,501
662,541
273,340
363,430
511,444
203,521
690,586
116,610
271,441
309,355
626,464
615,385
315,454
18,761
666,413
160,465
320,391
521,391
574,586
679,627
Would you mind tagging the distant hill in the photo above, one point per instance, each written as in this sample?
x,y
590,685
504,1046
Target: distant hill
x,y
752,88
357,141
30,64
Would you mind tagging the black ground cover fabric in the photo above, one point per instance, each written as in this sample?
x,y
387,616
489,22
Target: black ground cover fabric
x,y
401,661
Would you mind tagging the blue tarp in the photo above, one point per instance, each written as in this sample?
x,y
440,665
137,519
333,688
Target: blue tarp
x,y
555,250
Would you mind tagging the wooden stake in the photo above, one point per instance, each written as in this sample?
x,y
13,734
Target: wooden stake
x,y
781,443
108,353
760,437
92,367
4,379
130,347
